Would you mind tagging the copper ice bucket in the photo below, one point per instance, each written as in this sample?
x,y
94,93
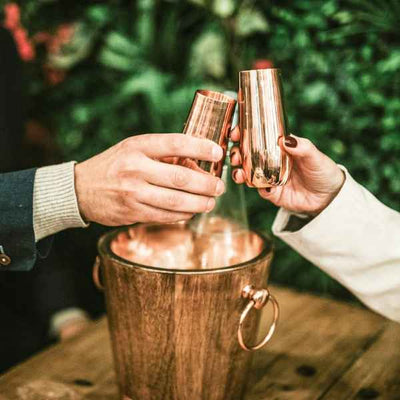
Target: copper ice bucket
x,y
179,332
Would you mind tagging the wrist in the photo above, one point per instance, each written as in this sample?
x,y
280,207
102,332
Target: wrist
x,y
337,184
81,191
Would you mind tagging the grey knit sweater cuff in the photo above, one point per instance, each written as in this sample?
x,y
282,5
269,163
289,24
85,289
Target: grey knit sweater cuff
x,y
55,206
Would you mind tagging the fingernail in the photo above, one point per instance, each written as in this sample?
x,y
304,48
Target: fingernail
x,y
290,141
220,188
217,153
234,174
210,205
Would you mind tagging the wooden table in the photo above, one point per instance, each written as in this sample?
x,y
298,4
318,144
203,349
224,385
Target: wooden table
x,y
323,350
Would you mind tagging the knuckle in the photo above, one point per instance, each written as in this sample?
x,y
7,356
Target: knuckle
x,y
129,143
308,144
180,178
121,167
173,201
129,192
175,144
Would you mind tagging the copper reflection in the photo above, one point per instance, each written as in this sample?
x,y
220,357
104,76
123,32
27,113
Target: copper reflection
x,y
177,247
263,124
210,117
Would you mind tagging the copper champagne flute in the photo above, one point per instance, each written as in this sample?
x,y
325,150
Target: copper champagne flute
x,y
210,117
263,124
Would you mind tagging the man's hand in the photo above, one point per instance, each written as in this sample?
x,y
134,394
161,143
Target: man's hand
x,y
314,182
129,183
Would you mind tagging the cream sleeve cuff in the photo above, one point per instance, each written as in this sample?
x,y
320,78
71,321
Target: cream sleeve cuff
x,y
55,206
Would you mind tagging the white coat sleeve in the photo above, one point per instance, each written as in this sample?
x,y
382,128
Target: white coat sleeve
x,y
356,240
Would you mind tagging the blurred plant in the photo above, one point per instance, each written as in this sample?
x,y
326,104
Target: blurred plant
x,y
133,66
13,23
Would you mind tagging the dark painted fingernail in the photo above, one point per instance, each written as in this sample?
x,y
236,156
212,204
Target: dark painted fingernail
x,y
290,141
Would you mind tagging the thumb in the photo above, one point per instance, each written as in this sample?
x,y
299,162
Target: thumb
x,y
299,147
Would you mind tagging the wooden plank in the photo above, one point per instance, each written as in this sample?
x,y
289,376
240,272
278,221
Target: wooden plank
x,y
314,334
83,364
87,359
312,349
376,374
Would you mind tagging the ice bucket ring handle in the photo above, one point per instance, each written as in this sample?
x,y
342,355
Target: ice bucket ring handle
x,y
258,299
96,274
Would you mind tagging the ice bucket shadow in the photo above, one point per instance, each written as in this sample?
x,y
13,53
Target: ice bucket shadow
x,y
177,332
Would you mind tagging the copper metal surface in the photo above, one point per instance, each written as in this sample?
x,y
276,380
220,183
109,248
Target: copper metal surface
x,y
262,123
210,117
221,244
96,274
173,324
258,300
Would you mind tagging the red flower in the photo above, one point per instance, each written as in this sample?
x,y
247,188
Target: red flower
x,y
263,64
42,37
25,47
27,52
54,76
13,23
65,32
13,15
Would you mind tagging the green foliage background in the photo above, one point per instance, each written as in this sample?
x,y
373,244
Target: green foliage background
x,y
133,67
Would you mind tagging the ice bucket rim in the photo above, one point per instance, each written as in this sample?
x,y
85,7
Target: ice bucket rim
x,y
103,247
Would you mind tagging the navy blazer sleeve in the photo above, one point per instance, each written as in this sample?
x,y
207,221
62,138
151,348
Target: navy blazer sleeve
x,y
17,238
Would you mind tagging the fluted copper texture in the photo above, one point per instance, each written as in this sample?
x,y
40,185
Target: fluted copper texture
x,y
210,117
262,122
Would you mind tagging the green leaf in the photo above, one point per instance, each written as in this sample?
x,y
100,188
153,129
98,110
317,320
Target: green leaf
x,y
116,61
223,8
119,43
198,2
209,55
315,92
100,14
391,64
250,21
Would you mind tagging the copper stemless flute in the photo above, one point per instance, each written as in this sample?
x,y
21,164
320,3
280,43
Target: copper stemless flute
x,y
262,123
210,117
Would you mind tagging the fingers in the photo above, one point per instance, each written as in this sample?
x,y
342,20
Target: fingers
x,y
153,214
175,200
238,176
272,194
177,145
236,158
182,178
299,147
235,134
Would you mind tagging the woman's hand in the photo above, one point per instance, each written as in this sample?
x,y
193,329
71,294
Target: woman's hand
x,y
314,182
129,183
